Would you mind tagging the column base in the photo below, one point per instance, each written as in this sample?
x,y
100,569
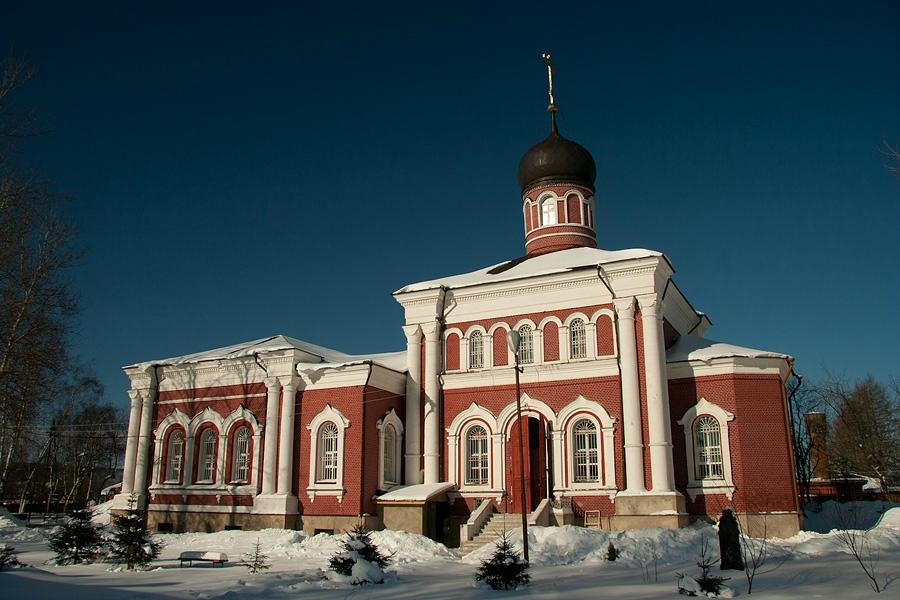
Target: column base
x,y
649,509
123,502
275,504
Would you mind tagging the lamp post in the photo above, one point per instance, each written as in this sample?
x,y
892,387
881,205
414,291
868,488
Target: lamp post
x,y
514,340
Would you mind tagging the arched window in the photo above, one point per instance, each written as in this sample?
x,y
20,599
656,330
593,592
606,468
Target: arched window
x,y
328,453
526,345
577,339
548,211
476,350
240,456
708,448
206,472
389,456
174,457
476,456
587,454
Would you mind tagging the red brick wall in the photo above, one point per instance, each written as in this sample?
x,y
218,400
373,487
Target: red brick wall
x,y
574,206
500,353
452,352
377,403
551,341
605,336
758,436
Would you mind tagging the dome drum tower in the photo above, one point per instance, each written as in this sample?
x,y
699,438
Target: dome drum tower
x,y
557,180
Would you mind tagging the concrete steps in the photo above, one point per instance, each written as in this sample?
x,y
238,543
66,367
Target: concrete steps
x,y
492,530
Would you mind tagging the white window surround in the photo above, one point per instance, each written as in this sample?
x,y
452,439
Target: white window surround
x,y
590,338
547,210
390,420
336,488
174,467
465,350
240,455
695,486
456,460
582,408
192,426
207,456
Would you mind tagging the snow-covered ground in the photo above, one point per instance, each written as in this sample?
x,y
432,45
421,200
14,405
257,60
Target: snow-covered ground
x,y
567,562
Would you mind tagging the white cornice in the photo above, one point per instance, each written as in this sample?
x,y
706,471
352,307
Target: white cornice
x,y
728,366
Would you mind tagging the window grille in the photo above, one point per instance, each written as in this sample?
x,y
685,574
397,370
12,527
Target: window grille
x,y
476,350
587,455
708,446
240,459
526,345
207,456
389,474
577,339
548,211
477,456
174,457
328,453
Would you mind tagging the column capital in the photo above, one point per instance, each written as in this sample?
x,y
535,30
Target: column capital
x,y
289,381
272,384
431,331
624,307
413,333
135,396
651,305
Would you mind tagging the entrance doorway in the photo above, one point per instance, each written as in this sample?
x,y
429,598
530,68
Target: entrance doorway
x,y
535,433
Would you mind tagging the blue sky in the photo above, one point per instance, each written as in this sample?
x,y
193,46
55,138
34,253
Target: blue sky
x,y
237,171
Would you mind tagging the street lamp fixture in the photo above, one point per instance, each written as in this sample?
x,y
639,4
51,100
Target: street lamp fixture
x,y
514,340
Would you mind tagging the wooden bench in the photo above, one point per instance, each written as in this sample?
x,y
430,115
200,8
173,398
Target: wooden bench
x,y
216,558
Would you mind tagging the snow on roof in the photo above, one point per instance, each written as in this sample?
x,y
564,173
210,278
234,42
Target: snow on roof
x,y
416,493
328,358
530,266
694,347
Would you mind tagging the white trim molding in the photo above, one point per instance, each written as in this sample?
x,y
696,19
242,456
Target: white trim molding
x,y
573,412
456,464
696,486
319,488
390,419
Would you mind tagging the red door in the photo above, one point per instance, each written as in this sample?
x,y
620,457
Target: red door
x,y
513,475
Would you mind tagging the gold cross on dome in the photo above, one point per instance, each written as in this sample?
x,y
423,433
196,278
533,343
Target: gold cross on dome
x,y
549,63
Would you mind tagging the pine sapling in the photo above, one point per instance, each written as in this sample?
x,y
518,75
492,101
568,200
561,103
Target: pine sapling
x,y
256,561
612,553
77,540
504,569
132,545
8,557
360,558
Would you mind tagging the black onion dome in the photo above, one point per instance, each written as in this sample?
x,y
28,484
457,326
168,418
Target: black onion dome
x,y
557,158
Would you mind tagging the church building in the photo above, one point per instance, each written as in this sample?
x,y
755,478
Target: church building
x,y
630,417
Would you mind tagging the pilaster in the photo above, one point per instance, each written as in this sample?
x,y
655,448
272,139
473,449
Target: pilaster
x,y
631,398
412,433
432,456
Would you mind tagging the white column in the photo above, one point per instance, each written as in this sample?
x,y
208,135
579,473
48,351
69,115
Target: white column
x,y
432,402
131,442
273,389
631,396
413,453
286,439
661,466
142,461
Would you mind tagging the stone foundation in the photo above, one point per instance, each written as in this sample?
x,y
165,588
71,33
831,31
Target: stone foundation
x,y
181,522
310,524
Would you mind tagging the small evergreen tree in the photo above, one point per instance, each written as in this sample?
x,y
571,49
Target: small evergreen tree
x,y
77,540
8,557
612,553
256,561
706,585
360,558
132,545
504,569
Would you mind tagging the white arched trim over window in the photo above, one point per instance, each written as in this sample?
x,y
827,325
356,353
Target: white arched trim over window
x,y
576,419
326,454
458,452
241,415
390,450
547,212
708,468
161,471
